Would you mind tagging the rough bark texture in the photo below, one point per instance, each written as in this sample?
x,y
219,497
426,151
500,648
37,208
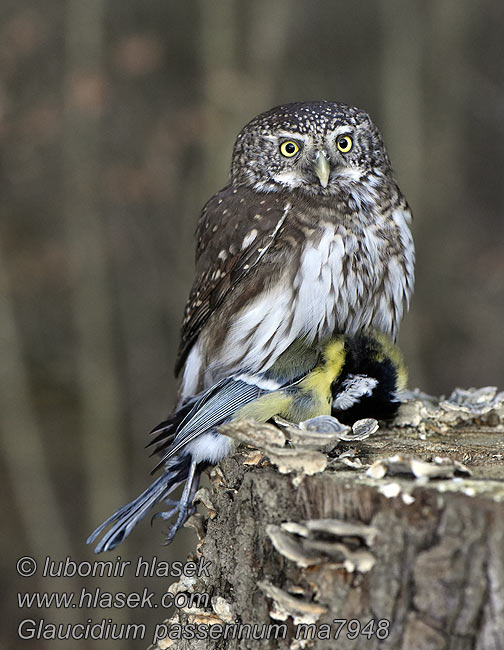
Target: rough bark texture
x,y
426,554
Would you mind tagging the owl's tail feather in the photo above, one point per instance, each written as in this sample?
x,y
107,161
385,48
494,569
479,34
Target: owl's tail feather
x,y
126,518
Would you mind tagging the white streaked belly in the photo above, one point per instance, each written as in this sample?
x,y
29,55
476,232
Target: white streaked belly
x,y
335,289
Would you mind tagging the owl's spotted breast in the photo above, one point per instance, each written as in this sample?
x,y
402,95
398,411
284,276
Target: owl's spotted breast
x,y
359,279
309,272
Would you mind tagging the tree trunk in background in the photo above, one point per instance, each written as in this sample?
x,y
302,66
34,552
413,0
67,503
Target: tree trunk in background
x,y
446,211
22,443
103,448
227,85
422,559
403,33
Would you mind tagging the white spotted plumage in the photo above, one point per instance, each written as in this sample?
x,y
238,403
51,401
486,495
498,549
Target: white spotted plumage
x,y
346,251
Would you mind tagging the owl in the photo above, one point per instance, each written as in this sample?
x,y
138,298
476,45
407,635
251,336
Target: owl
x,y
304,268
309,239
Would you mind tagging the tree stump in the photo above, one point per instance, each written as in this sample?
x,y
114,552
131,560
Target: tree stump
x,y
394,540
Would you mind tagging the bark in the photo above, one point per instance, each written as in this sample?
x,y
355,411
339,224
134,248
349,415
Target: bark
x,y
424,553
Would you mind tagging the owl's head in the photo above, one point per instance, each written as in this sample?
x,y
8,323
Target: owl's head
x,y
320,147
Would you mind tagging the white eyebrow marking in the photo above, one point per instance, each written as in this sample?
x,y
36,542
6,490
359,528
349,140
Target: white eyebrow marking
x,y
294,136
280,135
343,128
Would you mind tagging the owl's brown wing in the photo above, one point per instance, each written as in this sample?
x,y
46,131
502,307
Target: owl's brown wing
x,y
236,228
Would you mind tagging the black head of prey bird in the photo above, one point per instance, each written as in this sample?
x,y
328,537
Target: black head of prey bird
x,y
308,242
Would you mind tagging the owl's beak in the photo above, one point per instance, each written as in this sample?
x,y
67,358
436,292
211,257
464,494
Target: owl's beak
x,y
322,168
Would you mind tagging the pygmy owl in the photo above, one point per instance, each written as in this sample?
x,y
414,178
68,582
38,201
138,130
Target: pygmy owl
x,y
309,239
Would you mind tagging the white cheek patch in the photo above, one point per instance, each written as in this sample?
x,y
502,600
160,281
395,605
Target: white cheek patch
x,y
349,173
288,178
353,389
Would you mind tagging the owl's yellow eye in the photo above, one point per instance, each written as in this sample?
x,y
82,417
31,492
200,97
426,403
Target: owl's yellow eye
x,y
344,143
289,148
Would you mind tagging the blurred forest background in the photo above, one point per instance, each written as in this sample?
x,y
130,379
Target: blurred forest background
x,y
117,119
